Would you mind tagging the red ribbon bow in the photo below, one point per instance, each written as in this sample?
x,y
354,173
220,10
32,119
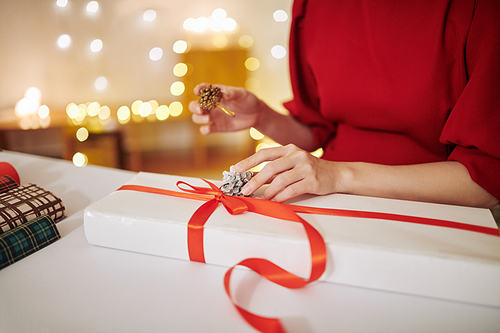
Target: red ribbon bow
x,y
265,268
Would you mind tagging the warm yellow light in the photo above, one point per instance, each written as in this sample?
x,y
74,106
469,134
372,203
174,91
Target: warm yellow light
x,y
145,109
252,64
93,109
175,109
82,113
162,112
154,105
264,145
135,106
72,111
82,134
43,111
245,41
180,46
104,112
318,152
255,134
123,114
180,69
220,41
80,159
177,88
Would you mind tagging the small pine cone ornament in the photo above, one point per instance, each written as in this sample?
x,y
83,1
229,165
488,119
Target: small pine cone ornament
x,y
233,182
209,97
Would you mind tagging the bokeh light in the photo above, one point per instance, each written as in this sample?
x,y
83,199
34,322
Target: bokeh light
x,y
123,114
149,15
43,111
177,88
82,134
96,45
162,112
280,16
104,112
255,134
64,41
92,6
80,159
101,83
220,41
62,3
180,46
156,53
93,109
135,106
245,41
252,64
278,51
180,69
175,109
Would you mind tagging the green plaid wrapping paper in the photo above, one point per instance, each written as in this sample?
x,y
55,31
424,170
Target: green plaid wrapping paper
x,y
26,239
25,203
7,183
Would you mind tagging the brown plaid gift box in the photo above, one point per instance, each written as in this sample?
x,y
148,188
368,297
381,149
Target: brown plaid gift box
x,y
7,183
25,203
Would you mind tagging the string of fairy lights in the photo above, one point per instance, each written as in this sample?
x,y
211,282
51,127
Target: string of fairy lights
x,y
87,116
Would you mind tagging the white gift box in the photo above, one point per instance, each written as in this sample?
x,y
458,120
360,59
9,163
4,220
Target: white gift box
x,y
387,255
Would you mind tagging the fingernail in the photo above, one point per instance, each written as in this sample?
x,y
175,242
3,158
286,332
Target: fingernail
x,y
238,167
245,190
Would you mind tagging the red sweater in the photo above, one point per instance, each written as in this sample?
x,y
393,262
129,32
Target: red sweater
x,y
400,82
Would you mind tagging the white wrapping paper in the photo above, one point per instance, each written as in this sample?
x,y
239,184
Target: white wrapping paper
x,y
380,254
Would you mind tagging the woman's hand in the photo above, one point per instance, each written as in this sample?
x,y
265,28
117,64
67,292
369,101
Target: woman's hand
x,y
290,172
243,103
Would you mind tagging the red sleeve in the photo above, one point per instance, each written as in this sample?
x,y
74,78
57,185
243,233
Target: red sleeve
x,y
473,126
305,105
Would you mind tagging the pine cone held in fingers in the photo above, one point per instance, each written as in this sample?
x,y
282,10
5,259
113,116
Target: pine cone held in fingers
x,y
209,97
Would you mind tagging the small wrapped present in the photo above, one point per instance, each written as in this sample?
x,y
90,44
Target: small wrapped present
x,y
24,203
433,250
26,239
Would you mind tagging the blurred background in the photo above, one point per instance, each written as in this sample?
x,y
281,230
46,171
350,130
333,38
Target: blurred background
x,y
108,82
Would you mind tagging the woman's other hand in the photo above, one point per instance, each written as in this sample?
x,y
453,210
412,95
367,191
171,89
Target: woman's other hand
x,y
246,106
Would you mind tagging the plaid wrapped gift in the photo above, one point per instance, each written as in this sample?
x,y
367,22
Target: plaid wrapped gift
x,y
26,239
7,183
27,202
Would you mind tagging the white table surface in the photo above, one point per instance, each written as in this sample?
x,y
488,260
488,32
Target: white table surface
x,y
71,286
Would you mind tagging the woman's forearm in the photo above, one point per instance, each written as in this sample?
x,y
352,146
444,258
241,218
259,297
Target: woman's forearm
x,y
446,182
285,129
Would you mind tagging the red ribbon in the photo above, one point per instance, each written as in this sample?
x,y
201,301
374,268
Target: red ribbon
x,y
237,205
